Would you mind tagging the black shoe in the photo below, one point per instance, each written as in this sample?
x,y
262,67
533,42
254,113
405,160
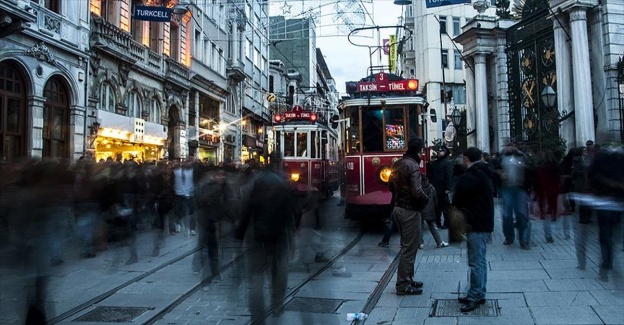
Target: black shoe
x,y
409,291
87,255
525,246
508,242
417,284
465,300
550,240
320,258
444,227
383,244
470,306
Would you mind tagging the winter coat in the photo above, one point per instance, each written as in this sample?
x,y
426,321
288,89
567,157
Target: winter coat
x,y
406,184
473,196
431,209
441,176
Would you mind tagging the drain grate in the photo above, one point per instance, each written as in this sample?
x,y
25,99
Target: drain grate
x,y
314,305
113,314
450,308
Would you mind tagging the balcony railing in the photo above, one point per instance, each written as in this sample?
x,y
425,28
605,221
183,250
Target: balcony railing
x,y
112,39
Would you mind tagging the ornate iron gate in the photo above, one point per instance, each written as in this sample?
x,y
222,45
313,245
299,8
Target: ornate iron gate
x,y
531,69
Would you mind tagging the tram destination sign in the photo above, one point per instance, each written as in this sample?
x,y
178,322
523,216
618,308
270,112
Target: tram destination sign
x,y
298,113
440,3
382,84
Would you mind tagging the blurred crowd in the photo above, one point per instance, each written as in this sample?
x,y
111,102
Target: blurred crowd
x,y
583,185
45,206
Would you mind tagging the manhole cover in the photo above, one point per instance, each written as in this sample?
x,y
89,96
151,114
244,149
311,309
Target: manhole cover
x,y
314,305
450,308
113,314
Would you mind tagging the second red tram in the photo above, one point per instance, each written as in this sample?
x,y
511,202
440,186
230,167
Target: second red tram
x,y
308,149
380,116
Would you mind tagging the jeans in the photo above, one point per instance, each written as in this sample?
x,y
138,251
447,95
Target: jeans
x,y
476,243
185,208
515,201
410,227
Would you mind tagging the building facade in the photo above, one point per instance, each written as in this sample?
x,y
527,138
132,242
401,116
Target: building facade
x,y
43,79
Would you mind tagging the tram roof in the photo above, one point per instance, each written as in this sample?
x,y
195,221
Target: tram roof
x,y
414,100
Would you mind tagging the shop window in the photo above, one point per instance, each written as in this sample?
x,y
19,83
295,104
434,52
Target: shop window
x,y
133,104
107,98
155,113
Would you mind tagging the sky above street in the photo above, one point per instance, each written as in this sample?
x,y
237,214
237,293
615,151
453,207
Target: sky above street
x,y
334,20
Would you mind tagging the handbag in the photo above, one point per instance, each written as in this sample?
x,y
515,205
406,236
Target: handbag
x,y
458,223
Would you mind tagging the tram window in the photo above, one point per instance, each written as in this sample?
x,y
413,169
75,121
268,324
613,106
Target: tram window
x,y
302,144
314,145
373,132
289,144
354,133
395,129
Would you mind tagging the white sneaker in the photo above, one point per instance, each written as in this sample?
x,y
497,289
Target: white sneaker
x,y
421,246
443,244
193,233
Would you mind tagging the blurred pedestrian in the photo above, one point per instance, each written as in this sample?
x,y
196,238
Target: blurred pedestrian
x,y
406,186
211,211
514,173
473,196
268,220
606,178
547,185
441,176
429,214
184,187
580,164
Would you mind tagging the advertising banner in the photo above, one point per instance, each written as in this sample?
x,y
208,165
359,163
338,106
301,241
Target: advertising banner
x,y
393,53
152,13
440,3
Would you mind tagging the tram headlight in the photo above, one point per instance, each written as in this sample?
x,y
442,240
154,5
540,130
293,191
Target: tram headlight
x,y
294,177
384,174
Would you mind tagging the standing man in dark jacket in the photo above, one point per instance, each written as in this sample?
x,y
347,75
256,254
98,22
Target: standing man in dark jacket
x,y
442,179
473,196
409,198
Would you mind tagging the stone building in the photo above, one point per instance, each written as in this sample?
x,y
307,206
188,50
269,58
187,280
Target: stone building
x,y
43,79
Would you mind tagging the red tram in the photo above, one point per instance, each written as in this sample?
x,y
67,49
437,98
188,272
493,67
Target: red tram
x,y
308,148
381,114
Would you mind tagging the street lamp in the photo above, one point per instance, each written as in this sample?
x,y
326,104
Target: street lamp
x,y
456,118
549,96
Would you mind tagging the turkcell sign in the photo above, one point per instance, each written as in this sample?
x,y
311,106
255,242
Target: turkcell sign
x,y
152,13
440,3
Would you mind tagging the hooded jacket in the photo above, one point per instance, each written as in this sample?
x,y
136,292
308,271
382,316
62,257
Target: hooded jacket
x,y
473,196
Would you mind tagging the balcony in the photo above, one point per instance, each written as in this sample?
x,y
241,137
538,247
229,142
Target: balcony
x,y
14,16
235,70
177,72
409,54
110,39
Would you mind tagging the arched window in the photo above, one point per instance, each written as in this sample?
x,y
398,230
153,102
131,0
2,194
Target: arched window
x,y
12,113
133,103
155,115
55,120
107,98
